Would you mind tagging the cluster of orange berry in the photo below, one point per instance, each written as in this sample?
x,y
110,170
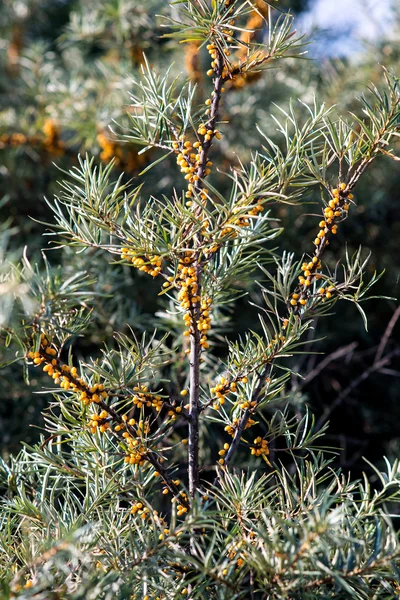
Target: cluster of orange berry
x,y
99,422
164,533
145,513
188,159
222,453
187,281
327,292
142,398
248,404
260,447
95,393
152,265
136,451
125,420
65,376
204,323
140,509
202,129
309,274
309,271
174,411
212,50
231,429
208,134
234,548
180,508
222,389
335,209
252,212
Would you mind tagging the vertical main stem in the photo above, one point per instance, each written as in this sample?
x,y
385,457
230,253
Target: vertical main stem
x,y
195,334
194,386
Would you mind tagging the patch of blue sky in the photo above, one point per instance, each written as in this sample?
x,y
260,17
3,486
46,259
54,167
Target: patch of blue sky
x,y
341,27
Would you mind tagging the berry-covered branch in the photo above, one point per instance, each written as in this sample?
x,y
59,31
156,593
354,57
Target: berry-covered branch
x,y
126,429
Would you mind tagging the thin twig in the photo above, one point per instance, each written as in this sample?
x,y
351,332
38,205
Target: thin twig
x,y
339,353
255,397
376,366
387,334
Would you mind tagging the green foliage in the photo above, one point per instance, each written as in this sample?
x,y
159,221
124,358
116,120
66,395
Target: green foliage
x,y
310,533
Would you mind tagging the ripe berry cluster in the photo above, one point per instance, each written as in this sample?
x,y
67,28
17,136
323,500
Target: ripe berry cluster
x,y
65,376
337,208
151,265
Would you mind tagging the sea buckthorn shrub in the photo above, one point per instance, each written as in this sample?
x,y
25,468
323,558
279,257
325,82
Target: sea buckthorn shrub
x,y
125,495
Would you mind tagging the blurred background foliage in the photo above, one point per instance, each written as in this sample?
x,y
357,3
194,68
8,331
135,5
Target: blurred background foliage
x,y
66,69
